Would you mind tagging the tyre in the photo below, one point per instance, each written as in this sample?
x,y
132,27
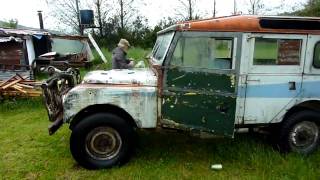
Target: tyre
x,y
300,133
101,141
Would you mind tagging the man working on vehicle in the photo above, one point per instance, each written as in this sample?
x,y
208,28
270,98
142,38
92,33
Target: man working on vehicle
x,y
119,56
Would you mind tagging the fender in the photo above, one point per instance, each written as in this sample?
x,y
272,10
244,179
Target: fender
x,y
140,102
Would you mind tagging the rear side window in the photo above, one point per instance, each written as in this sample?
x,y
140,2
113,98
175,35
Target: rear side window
x,y
277,51
316,58
203,52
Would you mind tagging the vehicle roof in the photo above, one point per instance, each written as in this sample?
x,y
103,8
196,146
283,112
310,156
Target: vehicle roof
x,y
252,23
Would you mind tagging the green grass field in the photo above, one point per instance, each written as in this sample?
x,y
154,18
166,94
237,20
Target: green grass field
x,y
27,151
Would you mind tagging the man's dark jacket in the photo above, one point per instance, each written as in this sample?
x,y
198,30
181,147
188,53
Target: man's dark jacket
x,y
119,59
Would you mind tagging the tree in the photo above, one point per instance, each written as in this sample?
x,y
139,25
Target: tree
x,y
234,7
311,8
214,8
12,23
311,2
255,6
101,14
126,11
66,13
187,10
110,32
139,30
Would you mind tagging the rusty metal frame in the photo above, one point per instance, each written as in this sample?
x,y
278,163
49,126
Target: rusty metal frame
x,y
53,90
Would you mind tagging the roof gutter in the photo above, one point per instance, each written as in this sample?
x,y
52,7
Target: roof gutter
x,y
171,28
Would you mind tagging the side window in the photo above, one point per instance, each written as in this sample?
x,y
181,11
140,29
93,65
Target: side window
x,y
277,51
316,58
203,52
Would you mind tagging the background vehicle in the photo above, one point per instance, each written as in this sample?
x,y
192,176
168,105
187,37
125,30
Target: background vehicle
x,y
213,77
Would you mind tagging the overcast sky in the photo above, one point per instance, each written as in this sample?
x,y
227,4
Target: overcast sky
x,y
25,11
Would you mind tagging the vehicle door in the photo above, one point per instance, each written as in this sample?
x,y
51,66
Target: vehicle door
x,y
310,84
199,87
274,75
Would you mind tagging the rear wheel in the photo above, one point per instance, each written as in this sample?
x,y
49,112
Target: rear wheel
x,y
300,133
102,141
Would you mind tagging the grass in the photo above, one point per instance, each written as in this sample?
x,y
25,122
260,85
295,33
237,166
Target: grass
x,y
27,151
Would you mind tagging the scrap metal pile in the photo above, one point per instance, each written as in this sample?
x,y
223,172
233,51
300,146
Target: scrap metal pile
x,y
19,86
61,61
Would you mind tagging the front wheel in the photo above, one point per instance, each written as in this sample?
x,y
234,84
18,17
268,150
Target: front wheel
x,y
102,140
300,133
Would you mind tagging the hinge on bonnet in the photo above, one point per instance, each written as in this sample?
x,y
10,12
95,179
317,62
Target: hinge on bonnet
x,y
251,36
243,79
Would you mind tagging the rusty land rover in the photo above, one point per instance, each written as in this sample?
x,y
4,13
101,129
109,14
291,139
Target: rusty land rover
x,y
214,77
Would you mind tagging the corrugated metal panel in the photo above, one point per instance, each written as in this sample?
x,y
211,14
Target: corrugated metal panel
x,y
8,39
22,31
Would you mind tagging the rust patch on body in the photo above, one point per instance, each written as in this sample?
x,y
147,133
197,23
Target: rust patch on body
x,y
247,23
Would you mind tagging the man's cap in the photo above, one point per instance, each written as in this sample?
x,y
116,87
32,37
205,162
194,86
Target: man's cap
x,y
123,42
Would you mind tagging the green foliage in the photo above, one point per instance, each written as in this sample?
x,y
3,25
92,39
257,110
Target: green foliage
x,y
311,8
28,152
12,23
138,33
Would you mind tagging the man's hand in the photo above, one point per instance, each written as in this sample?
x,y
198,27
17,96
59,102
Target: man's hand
x,y
131,64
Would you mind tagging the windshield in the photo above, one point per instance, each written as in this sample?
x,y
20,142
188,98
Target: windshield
x,y
162,45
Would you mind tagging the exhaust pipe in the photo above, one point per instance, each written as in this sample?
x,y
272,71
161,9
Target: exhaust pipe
x,y
40,20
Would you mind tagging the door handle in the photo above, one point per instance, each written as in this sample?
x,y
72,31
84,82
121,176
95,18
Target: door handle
x,y
292,86
253,80
223,109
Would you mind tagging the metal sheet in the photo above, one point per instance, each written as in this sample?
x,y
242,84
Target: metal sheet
x,y
8,39
4,75
251,23
268,95
140,102
141,77
11,53
199,100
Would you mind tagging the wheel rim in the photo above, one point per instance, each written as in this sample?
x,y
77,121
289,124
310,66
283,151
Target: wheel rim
x,y
103,143
303,136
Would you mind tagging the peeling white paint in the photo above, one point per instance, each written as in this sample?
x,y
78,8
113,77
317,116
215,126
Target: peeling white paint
x,y
140,102
143,77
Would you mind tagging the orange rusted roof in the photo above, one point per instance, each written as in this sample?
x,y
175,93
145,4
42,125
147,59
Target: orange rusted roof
x,y
249,23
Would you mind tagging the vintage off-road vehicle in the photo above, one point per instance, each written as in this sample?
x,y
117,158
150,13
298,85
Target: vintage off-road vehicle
x,y
208,77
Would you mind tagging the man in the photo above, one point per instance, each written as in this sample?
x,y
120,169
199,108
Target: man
x,y
119,56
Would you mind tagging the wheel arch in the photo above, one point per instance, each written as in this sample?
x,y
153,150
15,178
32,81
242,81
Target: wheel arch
x,y
313,105
106,108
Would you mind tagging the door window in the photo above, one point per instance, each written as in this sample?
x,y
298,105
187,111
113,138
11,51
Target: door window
x,y
277,51
203,52
316,58
161,47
